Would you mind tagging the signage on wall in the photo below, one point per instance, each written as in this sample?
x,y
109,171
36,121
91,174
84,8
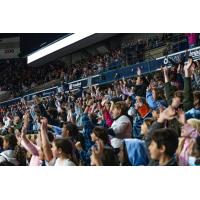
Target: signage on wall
x,y
176,57
73,86
9,53
9,48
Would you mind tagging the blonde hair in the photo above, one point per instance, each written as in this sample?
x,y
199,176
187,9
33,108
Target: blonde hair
x,y
195,123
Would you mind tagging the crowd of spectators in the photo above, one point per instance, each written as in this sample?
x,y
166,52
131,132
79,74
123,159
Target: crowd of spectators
x,y
134,50
95,64
19,78
151,119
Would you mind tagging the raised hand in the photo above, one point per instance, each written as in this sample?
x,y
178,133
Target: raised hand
x,y
149,88
18,135
165,70
25,125
166,73
104,101
168,114
44,123
97,153
181,116
139,72
179,69
26,119
187,67
94,105
78,146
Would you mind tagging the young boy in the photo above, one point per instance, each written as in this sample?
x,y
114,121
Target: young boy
x,y
163,146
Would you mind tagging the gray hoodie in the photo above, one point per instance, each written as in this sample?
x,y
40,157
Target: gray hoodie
x,y
8,156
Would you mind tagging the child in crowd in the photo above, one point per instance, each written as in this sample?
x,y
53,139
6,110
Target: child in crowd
x,y
189,132
163,147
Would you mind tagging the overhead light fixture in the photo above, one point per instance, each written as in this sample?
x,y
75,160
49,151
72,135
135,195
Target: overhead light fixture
x,y
57,46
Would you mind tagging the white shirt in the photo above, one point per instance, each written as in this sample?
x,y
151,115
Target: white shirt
x,y
7,122
65,162
122,127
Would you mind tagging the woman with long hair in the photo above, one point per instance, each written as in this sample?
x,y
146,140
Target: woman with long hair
x,y
12,154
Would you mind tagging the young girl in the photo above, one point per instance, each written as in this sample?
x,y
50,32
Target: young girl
x,y
103,156
102,151
62,150
99,136
12,153
145,126
61,153
189,132
101,133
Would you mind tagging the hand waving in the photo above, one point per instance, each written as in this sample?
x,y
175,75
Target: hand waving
x,y
187,68
181,116
139,72
168,114
97,153
44,123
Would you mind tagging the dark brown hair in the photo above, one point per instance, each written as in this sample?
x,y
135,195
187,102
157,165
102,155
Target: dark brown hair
x,y
168,138
148,121
65,145
179,94
19,152
102,133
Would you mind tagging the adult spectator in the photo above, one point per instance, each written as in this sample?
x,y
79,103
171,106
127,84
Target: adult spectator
x,y
192,39
121,125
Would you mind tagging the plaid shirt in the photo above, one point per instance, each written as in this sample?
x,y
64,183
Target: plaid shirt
x,y
87,130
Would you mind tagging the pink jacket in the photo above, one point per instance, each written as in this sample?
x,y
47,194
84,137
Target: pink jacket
x,y
189,134
107,118
192,38
34,150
